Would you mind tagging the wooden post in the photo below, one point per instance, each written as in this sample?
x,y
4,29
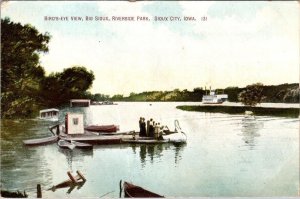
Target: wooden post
x,y
120,185
39,191
80,175
57,130
71,177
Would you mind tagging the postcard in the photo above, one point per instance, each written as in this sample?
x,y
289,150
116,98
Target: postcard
x,y
149,99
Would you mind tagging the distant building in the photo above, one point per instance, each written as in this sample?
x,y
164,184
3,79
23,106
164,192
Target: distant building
x,y
74,123
49,114
80,102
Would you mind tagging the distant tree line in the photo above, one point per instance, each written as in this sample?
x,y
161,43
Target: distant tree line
x,y
283,93
25,88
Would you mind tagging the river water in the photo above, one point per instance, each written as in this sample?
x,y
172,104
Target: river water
x,y
225,155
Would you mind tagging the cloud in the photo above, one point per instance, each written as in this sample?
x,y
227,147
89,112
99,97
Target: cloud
x,y
229,49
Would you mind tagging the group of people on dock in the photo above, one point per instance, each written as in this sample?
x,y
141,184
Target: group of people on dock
x,y
150,129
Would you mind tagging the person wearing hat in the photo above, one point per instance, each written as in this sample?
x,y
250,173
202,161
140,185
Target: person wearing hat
x,y
140,125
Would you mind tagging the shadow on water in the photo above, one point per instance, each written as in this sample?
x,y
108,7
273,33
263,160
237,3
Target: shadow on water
x,y
152,152
75,155
250,129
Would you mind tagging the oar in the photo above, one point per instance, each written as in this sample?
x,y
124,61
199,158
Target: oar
x,y
106,194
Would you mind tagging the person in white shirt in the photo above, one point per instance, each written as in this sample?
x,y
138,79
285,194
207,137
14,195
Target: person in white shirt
x,y
151,128
156,131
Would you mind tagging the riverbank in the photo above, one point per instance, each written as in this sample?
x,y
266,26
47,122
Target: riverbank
x,y
261,111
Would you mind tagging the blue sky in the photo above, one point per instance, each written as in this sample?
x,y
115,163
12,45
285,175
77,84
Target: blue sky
x,y
239,44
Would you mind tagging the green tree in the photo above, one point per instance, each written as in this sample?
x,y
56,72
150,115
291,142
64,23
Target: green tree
x,y
198,89
233,93
99,97
252,95
117,97
59,88
52,90
21,73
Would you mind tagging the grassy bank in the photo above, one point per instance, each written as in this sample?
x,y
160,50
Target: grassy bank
x,y
262,111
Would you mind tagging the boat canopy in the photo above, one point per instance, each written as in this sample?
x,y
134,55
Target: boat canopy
x,y
80,102
49,110
51,113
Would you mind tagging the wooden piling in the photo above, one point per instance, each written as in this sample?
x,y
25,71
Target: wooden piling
x,y
39,191
120,185
81,176
71,177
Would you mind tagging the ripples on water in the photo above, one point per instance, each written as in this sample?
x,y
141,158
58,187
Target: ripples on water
x,y
225,155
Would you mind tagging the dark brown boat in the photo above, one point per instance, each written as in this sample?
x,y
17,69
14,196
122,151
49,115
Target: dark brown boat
x,y
133,191
102,128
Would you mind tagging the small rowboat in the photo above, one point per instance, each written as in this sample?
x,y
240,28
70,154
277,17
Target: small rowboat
x,y
81,145
40,141
65,144
72,144
133,191
102,128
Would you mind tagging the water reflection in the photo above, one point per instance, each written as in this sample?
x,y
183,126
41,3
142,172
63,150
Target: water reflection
x,y
75,155
17,159
154,152
250,129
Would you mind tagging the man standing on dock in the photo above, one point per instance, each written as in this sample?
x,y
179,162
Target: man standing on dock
x,y
143,128
140,125
156,130
151,128
147,131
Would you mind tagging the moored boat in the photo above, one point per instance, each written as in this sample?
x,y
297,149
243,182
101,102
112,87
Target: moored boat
x,y
102,128
73,130
81,145
49,114
65,144
133,191
108,103
41,141
249,115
